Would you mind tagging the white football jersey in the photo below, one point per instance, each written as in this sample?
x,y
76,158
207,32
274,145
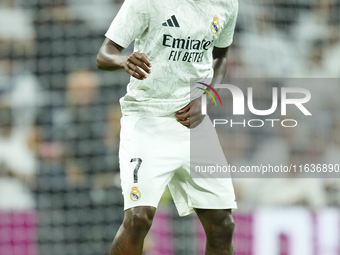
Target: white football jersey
x,y
178,37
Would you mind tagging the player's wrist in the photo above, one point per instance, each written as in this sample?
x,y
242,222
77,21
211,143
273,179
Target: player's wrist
x,y
123,61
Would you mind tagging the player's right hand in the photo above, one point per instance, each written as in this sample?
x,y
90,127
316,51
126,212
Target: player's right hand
x,y
138,65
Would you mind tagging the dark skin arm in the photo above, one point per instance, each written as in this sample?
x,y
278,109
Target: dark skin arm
x,y
110,58
190,116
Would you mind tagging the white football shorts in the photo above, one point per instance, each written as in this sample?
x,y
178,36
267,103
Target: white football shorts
x,y
155,152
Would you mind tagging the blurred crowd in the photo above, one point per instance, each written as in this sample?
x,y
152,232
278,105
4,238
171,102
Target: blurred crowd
x,y
295,39
60,118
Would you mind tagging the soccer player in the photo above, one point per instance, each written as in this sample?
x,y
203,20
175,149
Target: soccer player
x,y
175,40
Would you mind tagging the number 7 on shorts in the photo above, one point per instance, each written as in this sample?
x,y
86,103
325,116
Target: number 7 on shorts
x,y
135,171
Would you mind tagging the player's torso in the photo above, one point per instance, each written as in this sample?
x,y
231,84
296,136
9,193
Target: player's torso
x,y
179,42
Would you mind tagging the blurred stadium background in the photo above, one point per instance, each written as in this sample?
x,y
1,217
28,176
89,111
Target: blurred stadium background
x,y
59,133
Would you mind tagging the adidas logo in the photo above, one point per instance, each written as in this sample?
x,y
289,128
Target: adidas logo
x,y
172,22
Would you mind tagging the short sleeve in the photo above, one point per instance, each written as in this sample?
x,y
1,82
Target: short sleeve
x,y
227,33
131,21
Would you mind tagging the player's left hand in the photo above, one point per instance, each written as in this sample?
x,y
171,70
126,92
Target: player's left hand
x,y
190,116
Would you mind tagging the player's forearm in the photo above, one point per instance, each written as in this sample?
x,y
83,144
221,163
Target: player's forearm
x,y
220,71
110,62
110,58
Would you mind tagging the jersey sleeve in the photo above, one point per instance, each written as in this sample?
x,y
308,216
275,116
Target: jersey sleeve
x,y
131,21
226,36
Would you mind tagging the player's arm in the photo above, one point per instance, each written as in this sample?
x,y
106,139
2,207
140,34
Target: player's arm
x,y
220,69
220,64
110,58
190,115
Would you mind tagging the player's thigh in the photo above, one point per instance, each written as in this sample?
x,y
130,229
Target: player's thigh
x,y
210,185
207,159
145,164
